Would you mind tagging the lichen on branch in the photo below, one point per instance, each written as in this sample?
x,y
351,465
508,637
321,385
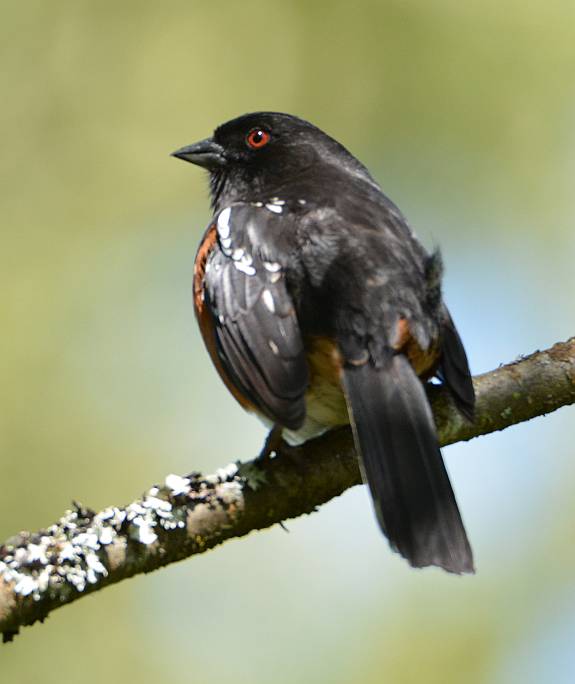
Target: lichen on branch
x,y
86,551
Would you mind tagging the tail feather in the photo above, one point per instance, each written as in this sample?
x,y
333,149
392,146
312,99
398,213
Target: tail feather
x,y
401,462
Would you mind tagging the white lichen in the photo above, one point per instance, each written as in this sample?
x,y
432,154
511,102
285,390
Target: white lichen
x,y
178,485
82,548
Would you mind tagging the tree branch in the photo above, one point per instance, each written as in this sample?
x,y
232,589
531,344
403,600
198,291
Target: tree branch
x,y
86,551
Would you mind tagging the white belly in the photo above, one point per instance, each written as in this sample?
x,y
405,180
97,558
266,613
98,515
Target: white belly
x,y
325,402
325,409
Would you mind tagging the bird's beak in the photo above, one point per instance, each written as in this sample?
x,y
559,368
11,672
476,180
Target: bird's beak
x,y
206,153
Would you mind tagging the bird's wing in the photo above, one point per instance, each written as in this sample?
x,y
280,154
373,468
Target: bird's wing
x,y
454,368
258,340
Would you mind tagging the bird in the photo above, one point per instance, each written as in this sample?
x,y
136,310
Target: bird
x,y
319,308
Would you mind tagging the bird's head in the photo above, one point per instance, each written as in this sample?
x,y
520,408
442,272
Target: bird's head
x,y
261,154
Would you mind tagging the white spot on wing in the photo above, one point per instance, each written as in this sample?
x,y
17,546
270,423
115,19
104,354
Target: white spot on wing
x,y
272,266
274,347
224,222
245,268
243,262
269,300
226,243
275,208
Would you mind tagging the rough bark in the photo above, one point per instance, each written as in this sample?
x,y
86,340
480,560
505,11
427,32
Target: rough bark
x,y
86,551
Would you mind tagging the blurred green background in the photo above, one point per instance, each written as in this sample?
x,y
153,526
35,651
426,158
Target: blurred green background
x,y
465,111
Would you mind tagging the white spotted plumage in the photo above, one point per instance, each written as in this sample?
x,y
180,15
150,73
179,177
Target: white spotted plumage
x,y
276,208
226,243
245,268
224,223
242,260
268,299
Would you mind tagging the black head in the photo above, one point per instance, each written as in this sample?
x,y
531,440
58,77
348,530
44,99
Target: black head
x,y
261,154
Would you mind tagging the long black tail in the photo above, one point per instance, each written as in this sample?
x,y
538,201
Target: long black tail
x,y
401,462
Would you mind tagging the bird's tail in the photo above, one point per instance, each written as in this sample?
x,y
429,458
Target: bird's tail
x,y
400,460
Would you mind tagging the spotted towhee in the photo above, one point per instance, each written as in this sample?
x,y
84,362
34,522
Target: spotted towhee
x,y
319,308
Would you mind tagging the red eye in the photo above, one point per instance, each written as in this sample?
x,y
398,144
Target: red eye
x,y
257,138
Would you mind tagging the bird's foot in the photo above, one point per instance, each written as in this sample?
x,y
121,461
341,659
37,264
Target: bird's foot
x,y
272,444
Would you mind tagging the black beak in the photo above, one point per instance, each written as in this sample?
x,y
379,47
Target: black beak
x,y
206,153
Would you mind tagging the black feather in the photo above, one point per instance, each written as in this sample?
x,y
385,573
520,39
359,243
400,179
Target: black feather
x,y
454,369
309,247
258,339
401,462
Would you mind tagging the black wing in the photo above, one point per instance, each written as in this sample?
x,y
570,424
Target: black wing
x,y
257,334
454,368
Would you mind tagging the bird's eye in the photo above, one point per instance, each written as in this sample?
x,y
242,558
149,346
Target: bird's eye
x,y
257,138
